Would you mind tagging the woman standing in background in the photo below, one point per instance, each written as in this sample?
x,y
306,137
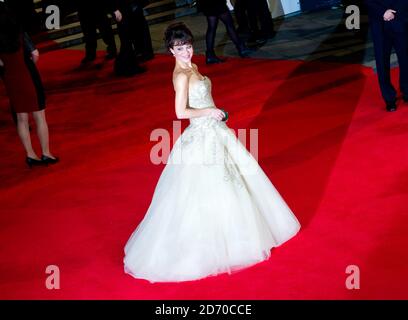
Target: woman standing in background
x,y
23,86
216,10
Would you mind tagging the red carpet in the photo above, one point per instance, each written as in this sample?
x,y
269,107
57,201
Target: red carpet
x,y
336,156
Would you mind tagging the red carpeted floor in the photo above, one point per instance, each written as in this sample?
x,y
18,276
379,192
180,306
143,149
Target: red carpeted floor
x,y
336,156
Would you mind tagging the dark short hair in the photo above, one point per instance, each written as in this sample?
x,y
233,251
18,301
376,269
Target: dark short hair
x,y
177,34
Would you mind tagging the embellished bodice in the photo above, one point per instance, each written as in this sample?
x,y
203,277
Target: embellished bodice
x,y
199,94
208,141
199,97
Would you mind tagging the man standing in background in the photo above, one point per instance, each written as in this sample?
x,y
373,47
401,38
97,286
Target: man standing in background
x,y
92,16
388,23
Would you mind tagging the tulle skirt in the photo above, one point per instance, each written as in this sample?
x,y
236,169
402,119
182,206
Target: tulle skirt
x,y
213,211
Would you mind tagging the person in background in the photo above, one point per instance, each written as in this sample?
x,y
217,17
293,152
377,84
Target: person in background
x,y
388,23
255,16
93,16
23,88
135,41
216,10
134,29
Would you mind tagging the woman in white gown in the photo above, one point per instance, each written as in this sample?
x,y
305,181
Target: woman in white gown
x,y
213,210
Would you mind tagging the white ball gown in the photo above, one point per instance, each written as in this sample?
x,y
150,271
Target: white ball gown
x,y
213,210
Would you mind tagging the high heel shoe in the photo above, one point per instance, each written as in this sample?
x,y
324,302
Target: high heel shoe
x,y
244,51
211,58
34,162
49,160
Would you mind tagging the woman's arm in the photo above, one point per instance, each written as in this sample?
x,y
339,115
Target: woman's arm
x,y
182,110
29,45
30,49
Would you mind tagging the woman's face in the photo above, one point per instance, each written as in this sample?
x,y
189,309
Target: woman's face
x,y
183,52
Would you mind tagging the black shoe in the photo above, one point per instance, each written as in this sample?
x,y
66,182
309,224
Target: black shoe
x,y
244,52
144,58
213,59
391,106
138,70
111,55
147,57
111,52
130,71
35,162
49,160
257,41
88,59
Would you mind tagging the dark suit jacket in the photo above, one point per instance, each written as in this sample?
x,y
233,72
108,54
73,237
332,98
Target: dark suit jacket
x,y
377,8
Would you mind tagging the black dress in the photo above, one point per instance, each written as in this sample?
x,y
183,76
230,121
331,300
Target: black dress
x,y
212,7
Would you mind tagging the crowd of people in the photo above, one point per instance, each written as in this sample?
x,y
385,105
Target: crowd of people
x,y
253,17
18,54
132,27
100,17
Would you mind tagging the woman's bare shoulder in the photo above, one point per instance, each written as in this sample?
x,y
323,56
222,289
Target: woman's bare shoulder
x,y
195,66
181,77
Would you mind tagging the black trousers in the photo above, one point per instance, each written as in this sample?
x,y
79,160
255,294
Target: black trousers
x,y
134,34
92,18
258,16
240,10
385,38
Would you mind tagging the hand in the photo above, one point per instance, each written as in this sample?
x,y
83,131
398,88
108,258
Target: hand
x,y
216,114
1,63
118,16
35,55
389,15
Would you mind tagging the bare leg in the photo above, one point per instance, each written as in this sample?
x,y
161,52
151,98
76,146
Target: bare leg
x,y
42,132
24,133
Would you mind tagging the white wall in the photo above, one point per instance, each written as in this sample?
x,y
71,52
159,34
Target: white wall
x,y
282,7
